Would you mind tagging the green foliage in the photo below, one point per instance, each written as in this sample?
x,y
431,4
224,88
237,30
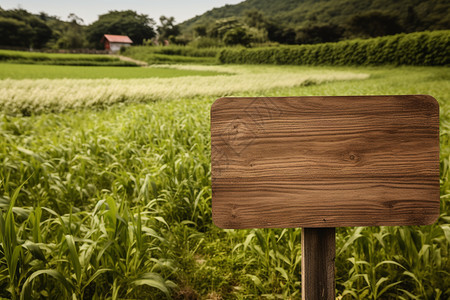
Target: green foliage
x,y
237,36
20,28
137,26
222,26
422,48
167,30
374,23
116,203
286,15
18,71
173,54
231,32
206,42
23,57
72,34
270,29
323,33
65,34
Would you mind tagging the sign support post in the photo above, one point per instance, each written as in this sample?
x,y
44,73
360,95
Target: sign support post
x,y
318,254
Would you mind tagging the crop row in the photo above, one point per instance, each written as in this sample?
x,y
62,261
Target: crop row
x,y
23,57
116,203
42,95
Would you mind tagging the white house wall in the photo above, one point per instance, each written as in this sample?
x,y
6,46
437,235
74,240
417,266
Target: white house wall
x,y
115,47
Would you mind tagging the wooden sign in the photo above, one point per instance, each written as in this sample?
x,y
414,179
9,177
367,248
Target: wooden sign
x,y
325,161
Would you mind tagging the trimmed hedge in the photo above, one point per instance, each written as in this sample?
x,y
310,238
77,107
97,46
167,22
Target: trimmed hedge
x,y
172,54
420,48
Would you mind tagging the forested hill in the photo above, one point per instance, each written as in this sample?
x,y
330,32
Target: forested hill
x,y
416,15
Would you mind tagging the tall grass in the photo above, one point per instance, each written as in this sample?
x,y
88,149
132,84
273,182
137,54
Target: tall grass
x,y
116,204
41,95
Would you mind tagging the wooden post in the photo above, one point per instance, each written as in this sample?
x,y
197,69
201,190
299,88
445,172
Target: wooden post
x,y
318,254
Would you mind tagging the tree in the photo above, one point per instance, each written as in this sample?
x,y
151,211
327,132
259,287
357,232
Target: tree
x,y
74,19
255,18
42,33
281,34
222,26
72,36
15,33
20,28
320,34
137,26
274,31
237,36
200,30
412,21
167,30
374,23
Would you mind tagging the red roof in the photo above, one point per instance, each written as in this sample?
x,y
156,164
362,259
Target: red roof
x,y
117,38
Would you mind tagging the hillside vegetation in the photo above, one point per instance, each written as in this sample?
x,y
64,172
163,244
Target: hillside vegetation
x,y
415,15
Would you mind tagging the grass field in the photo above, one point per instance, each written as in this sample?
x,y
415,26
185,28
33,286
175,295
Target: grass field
x,y
23,71
116,203
24,57
29,96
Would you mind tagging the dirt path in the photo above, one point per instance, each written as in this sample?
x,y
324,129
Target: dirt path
x,y
138,62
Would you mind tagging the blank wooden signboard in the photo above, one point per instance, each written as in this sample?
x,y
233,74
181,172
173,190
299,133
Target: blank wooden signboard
x,y
325,161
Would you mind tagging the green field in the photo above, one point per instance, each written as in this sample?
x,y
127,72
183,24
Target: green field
x,y
116,202
23,57
24,71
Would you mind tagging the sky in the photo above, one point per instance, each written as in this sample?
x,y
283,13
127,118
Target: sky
x,y
89,10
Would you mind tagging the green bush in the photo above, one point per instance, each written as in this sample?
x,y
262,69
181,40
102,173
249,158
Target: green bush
x,y
173,54
206,42
420,48
172,50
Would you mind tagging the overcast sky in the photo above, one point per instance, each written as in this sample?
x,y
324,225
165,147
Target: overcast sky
x,y
89,10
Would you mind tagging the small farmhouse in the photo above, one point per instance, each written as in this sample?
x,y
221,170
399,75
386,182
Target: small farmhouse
x,y
113,42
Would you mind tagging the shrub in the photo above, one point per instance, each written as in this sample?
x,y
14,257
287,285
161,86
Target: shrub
x,y
420,48
173,54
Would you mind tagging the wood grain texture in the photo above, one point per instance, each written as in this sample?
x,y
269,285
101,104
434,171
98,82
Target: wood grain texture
x,y
325,161
318,255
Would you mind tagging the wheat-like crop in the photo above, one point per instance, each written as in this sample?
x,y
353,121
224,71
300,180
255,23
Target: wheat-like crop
x,y
34,96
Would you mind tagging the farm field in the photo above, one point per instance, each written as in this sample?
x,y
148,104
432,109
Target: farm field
x,y
68,93
25,71
24,57
116,202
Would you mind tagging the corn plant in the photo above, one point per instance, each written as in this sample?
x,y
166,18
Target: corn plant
x,y
116,202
